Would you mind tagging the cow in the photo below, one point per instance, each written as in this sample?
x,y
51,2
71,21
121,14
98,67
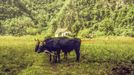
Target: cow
x,y
58,44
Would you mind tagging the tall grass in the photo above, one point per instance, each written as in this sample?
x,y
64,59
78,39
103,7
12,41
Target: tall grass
x,y
98,57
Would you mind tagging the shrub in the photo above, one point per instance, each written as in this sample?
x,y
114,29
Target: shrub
x,y
85,33
99,33
124,32
17,26
106,26
32,31
2,29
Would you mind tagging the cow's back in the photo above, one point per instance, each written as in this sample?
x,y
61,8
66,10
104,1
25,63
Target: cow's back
x,y
62,43
69,44
52,44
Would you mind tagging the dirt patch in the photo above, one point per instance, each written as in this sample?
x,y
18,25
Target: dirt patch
x,y
123,69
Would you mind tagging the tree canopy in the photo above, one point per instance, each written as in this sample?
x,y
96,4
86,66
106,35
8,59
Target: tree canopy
x,y
81,17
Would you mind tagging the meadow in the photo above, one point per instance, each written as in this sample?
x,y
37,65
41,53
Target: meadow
x,y
99,56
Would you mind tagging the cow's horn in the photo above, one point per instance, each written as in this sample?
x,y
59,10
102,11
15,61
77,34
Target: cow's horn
x,y
47,52
36,39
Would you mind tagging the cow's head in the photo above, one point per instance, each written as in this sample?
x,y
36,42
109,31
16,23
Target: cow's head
x,y
40,46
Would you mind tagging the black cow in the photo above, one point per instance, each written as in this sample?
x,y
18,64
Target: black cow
x,y
60,43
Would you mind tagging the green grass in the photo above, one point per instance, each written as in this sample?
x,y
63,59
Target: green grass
x,y
98,57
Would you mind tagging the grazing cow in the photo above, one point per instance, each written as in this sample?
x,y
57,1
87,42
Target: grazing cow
x,y
57,44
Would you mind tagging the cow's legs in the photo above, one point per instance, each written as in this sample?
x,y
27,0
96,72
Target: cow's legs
x,y
55,57
58,55
77,51
65,55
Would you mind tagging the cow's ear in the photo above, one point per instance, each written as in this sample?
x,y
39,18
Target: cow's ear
x,y
36,39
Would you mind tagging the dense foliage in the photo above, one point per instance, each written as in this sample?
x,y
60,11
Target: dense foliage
x,y
82,17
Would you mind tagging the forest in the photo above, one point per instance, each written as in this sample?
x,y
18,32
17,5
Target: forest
x,y
105,27
81,17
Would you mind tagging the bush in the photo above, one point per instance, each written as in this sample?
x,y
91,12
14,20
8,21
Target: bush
x,y
99,33
2,29
127,32
124,32
76,27
32,31
85,33
106,26
17,26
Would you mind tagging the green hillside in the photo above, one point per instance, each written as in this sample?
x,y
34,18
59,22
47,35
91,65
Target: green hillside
x,y
81,17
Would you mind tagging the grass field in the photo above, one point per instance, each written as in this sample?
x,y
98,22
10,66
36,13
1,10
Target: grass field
x,y
99,56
